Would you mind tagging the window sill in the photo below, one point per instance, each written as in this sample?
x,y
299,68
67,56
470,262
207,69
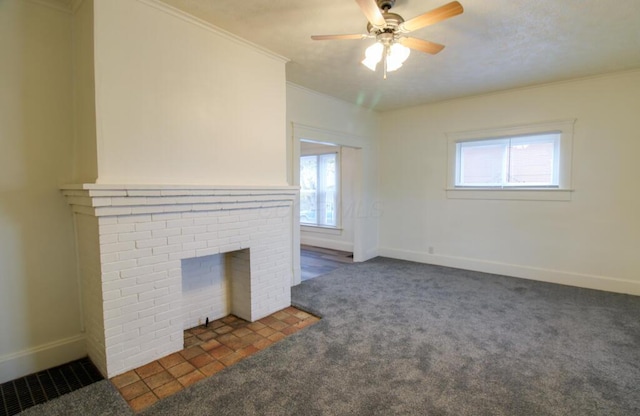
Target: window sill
x,y
515,194
320,229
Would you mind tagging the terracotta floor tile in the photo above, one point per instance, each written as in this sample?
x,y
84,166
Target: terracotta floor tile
x,y
212,368
301,314
267,320
215,324
291,320
232,358
240,332
276,336
280,315
236,343
247,351
192,377
142,402
149,369
226,338
255,326
220,352
171,360
291,310
134,390
191,352
189,342
266,331
209,345
290,330
197,330
125,379
252,337
262,343
206,336
278,325
168,389
230,318
224,329
201,360
158,380
181,369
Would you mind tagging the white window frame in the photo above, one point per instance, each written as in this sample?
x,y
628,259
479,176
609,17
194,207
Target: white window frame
x,y
560,192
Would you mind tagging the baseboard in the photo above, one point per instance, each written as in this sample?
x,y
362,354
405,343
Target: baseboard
x,y
326,243
607,284
42,357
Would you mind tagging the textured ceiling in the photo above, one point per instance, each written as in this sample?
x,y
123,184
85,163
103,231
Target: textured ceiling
x,y
494,45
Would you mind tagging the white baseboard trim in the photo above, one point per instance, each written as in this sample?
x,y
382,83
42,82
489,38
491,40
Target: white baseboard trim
x,y
608,284
326,243
42,357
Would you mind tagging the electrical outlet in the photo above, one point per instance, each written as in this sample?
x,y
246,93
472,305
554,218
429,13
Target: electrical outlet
x,y
430,250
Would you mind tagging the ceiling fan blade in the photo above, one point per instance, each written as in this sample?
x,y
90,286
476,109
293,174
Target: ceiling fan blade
x,y
339,37
372,12
434,16
421,45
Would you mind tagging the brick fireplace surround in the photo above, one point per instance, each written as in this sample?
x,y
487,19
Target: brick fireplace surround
x,y
132,244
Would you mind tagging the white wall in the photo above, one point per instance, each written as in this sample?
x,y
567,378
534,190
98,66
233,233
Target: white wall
x,y
39,300
85,161
180,102
332,120
590,241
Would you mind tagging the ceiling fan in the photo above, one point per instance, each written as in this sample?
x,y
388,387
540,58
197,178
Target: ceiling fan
x,y
390,31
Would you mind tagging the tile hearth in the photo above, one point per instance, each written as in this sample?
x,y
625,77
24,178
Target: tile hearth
x,y
207,350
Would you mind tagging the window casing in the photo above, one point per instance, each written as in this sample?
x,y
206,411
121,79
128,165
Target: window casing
x,y
526,162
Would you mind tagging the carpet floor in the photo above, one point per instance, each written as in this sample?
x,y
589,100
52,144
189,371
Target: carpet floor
x,y
411,339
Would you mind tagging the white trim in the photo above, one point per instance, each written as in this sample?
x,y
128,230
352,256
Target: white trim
x,y
326,243
510,194
604,283
180,14
42,357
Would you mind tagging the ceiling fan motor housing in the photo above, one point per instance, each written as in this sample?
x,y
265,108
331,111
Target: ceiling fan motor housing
x,y
386,4
393,21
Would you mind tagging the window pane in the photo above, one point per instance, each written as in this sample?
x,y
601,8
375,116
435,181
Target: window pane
x,y
327,181
518,161
531,161
481,163
308,189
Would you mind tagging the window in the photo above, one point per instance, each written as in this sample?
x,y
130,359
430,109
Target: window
x,y
523,162
319,189
512,161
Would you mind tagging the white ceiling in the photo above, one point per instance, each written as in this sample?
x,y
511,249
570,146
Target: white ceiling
x,y
494,45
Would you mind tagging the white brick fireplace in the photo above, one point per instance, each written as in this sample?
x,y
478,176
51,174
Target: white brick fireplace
x,y
133,242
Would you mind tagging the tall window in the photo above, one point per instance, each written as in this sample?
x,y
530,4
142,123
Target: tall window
x,y
319,189
531,160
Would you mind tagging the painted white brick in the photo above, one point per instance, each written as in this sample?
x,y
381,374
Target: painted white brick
x,y
150,226
119,265
126,219
154,242
135,235
181,239
137,271
166,232
180,223
166,216
145,261
134,254
112,248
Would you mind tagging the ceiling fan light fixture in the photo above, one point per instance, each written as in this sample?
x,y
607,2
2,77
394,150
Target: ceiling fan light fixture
x,y
396,56
373,55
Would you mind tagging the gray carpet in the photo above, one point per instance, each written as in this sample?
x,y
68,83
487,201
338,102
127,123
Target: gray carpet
x,y
412,339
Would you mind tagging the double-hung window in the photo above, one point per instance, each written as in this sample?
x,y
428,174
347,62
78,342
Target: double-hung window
x,y
319,189
533,158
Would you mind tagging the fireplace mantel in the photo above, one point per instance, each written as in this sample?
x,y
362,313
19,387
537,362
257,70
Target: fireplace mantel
x,y
132,241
